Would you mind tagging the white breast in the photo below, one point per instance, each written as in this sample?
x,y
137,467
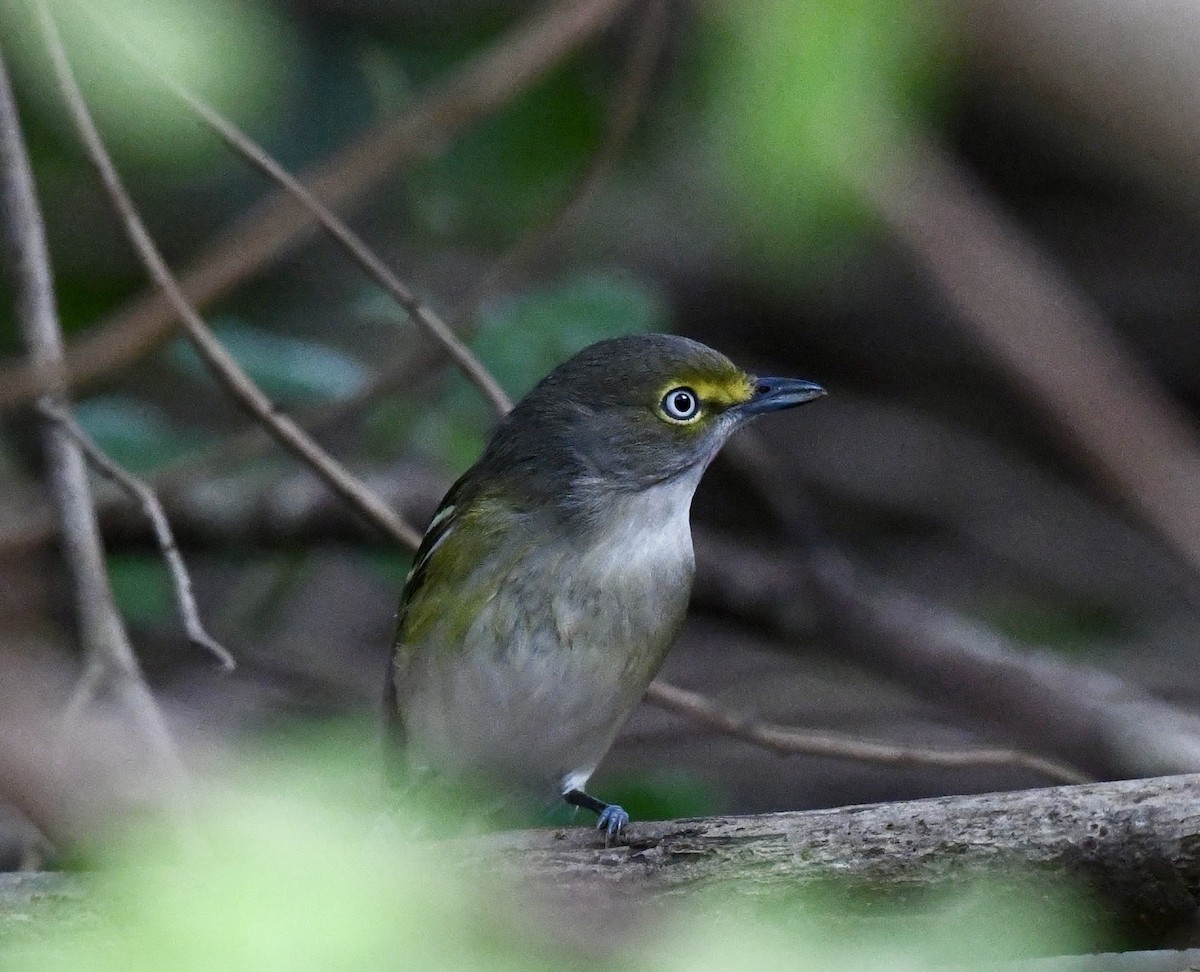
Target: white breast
x,y
649,531
538,693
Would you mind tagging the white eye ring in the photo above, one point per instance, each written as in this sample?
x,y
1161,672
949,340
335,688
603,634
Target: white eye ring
x,y
681,404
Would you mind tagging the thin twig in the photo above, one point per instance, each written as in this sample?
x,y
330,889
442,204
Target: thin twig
x,y
701,709
422,314
270,230
221,364
152,508
622,119
412,368
110,656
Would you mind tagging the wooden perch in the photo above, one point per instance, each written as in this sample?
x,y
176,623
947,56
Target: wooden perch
x,y
1135,844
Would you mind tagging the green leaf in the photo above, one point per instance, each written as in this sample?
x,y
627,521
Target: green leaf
x,y
292,371
142,587
134,433
526,335
806,99
521,339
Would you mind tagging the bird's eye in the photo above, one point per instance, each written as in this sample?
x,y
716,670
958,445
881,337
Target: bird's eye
x,y
681,404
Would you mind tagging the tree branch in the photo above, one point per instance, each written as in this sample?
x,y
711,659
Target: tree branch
x,y
144,496
413,367
220,363
704,711
421,314
105,640
1082,715
276,226
1135,844
1050,340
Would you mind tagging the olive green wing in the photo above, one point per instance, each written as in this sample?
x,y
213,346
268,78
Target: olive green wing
x,y
441,588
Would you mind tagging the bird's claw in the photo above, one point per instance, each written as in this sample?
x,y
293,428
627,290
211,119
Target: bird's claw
x,y
613,819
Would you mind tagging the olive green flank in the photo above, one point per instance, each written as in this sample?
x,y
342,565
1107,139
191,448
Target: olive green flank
x,y
475,536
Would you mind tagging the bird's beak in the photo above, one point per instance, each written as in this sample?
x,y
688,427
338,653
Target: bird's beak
x,y
773,394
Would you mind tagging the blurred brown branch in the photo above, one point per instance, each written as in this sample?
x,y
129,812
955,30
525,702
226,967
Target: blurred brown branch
x,y
1049,339
419,360
925,647
623,115
700,709
1090,718
152,509
1080,714
221,364
422,314
110,660
277,225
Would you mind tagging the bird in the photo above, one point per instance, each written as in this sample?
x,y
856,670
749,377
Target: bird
x,y
555,574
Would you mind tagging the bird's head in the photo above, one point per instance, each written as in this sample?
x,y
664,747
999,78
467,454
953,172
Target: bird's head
x,y
630,412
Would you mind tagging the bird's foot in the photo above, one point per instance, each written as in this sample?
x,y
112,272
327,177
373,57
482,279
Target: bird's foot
x,y
612,818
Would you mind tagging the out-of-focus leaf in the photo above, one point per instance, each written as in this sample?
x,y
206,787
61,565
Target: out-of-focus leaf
x,y
290,370
521,339
142,588
233,53
524,336
298,869
662,796
1069,628
806,97
391,567
134,433
511,169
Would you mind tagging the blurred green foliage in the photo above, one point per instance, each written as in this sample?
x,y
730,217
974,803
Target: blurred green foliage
x,y
135,433
292,371
804,100
294,869
1061,624
521,338
235,54
390,566
509,171
142,587
663,795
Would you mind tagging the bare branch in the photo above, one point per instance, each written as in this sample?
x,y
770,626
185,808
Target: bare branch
x,y
1135,844
413,367
1084,715
221,364
1050,340
702,710
145,497
422,314
1077,713
102,631
277,226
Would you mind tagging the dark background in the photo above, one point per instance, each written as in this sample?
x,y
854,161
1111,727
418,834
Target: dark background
x,y
734,212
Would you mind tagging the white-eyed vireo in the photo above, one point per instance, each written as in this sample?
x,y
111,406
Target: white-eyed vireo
x,y
557,570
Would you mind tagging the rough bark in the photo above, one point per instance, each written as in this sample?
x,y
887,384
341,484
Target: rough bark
x,y
1134,844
